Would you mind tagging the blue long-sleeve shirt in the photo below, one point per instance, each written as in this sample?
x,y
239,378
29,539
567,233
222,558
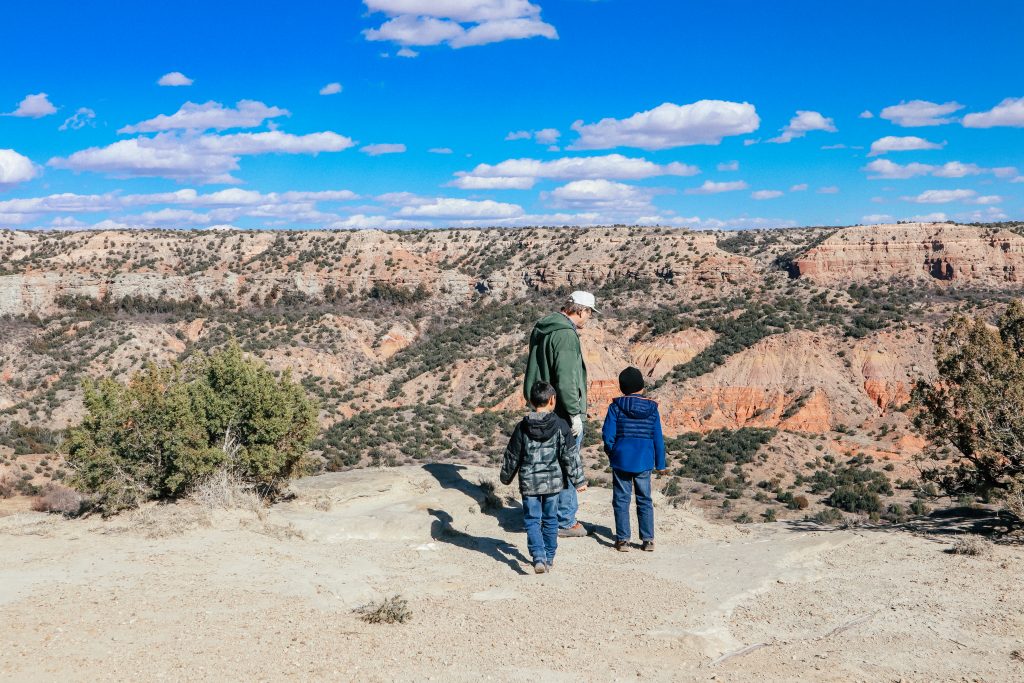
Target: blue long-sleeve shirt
x,y
632,435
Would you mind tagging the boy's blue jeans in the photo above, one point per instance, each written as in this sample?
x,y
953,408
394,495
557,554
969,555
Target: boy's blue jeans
x,y
568,501
623,485
540,513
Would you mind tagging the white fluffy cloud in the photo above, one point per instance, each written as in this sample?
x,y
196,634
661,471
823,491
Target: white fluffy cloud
x,y
34,107
866,114
1009,112
331,89
883,169
185,207
382,148
174,79
80,119
545,136
892,143
803,123
600,194
934,217
206,158
447,207
711,187
361,221
668,125
766,194
15,168
210,116
917,113
729,166
472,182
828,189
947,196
801,187
459,23
527,171
440,150
877,218
985,215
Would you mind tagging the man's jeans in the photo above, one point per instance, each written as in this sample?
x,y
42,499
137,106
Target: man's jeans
x,y
540,513
623,485
568,502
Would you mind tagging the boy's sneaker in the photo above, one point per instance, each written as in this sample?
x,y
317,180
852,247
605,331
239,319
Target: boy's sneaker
x,y
551,565
539,568
575,531
648,546
622,546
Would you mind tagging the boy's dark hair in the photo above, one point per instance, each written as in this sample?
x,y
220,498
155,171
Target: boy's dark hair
x,y
540,394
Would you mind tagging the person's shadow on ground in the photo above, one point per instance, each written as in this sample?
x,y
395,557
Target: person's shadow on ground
x,y
602,534
441,529
449,476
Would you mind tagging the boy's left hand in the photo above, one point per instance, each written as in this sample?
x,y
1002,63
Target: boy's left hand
x,y
581,489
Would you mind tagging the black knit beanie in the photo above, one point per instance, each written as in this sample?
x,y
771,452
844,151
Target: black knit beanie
x,y
631,380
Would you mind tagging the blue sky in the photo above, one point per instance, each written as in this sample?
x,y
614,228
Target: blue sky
x,y
404,113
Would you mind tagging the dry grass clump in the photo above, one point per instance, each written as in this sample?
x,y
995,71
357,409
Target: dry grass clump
x,y
969,545
6,487
492,501
389,611
225,489
58,499
160,521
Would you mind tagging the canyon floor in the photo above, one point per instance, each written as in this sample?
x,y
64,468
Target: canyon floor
x,y
183,592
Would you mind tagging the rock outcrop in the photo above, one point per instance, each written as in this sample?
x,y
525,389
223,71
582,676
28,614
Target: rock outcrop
x,y
453,265
916,252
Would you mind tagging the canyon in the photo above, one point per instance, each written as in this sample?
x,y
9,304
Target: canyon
x,y
817,333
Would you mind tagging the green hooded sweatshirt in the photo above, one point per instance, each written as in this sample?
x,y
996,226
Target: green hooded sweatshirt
x,y
556,358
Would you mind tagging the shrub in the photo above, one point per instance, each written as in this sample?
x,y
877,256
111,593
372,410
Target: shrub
x,y
828,516
168,428
801,502
7,487
854,499
971,415
969,545
58,499
491,499
389,611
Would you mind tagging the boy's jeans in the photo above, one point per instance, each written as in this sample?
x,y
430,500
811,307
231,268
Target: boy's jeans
x,y
540,513
623,485
568,501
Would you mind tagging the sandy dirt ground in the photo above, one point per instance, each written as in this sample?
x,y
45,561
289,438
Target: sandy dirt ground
x,y
183,593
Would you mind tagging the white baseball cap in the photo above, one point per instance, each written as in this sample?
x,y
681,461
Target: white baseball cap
x,y
584,299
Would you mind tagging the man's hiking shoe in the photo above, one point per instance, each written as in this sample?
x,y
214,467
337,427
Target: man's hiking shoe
x,y
648,546
575,531
540,568
622,546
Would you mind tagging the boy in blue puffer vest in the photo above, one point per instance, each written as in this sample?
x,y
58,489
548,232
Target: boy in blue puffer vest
x,y
635,446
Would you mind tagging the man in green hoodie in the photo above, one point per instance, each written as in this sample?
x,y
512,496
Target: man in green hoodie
x,y
557,358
